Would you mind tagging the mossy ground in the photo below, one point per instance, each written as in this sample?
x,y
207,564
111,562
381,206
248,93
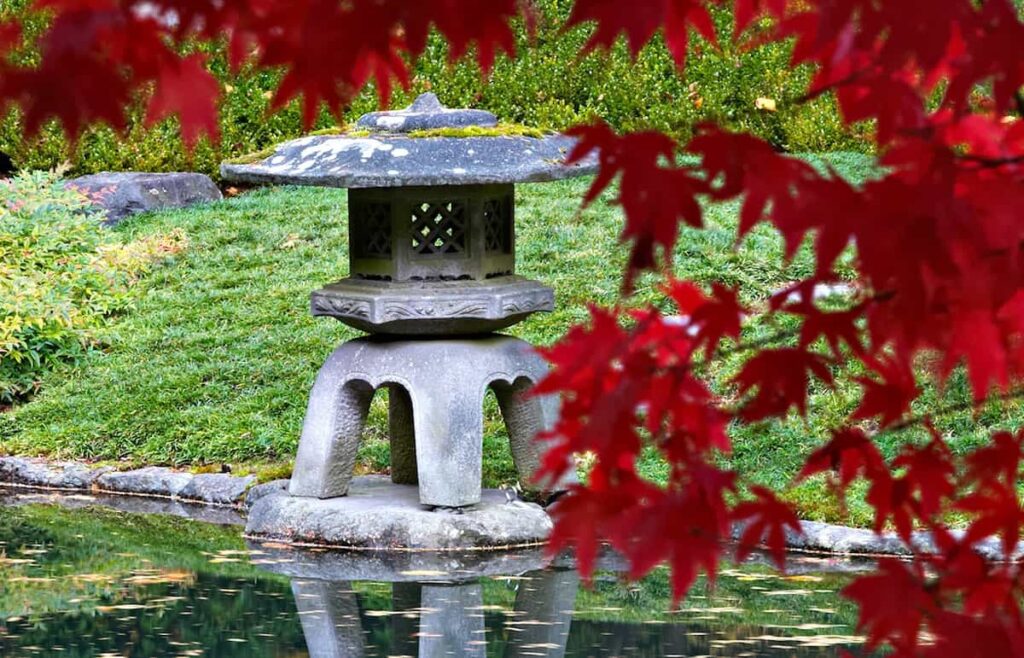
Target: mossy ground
x,y
216,359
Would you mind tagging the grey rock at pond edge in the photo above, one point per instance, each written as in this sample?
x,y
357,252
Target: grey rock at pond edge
x,y
127,193
130,504
150,481
39,473
265,489
830,538
217,488
377,514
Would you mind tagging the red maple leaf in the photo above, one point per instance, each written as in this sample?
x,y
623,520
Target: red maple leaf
x,y
767,519
968,636
919,493
781,377
985,588
997,510
891,397
640,20
893,605
686,525
655,194
744,164
185,88
849,454
977,338
710,319
998,462
10,37
74,83
929,472
835,327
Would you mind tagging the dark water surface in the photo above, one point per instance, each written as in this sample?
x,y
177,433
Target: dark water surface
x,y
97,582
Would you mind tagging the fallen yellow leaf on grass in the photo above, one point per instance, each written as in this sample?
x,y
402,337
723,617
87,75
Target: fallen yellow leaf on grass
x,y
765,104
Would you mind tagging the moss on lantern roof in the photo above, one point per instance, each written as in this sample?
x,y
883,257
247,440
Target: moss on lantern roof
x,y
500,130
250,158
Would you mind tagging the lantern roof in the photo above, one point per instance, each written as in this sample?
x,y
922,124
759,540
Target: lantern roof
x,y
425,144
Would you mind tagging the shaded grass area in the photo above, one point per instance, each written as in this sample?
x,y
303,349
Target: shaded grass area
x,y
215,361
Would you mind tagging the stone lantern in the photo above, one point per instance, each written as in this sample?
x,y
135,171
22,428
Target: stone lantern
x,y
431,277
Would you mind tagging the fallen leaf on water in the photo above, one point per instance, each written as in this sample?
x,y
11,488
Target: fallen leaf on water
x,y
423,572
94,577
123,606
160,577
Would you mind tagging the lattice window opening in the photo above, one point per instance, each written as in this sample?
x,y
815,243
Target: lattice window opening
x,y
372,234
439,228
498,226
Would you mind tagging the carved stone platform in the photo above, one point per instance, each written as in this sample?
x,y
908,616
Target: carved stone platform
x,y
432,307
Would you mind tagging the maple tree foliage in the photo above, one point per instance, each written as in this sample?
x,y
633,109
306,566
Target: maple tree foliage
x,y
936,238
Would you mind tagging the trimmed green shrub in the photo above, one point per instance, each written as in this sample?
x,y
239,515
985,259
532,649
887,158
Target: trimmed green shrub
x,y
547,86
61,275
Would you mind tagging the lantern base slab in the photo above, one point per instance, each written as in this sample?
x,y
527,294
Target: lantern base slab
x,y
432,308
381,516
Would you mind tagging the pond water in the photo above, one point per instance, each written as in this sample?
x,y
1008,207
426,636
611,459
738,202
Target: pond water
x,y
96,582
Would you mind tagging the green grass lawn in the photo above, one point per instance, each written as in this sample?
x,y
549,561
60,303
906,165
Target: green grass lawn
x,y
215,361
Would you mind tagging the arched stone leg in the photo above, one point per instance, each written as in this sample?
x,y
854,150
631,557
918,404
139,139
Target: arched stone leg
x,y
525,418
334,424
449,419
329,613
401,433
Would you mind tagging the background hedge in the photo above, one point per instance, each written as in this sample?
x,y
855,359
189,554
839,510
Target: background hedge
x,y
547,86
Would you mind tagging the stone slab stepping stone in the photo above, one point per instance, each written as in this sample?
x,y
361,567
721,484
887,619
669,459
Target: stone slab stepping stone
x,y
377,514
217,488
127,193
39,473
149,481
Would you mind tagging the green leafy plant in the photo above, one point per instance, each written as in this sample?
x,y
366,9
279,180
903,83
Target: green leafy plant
x,y
61,276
